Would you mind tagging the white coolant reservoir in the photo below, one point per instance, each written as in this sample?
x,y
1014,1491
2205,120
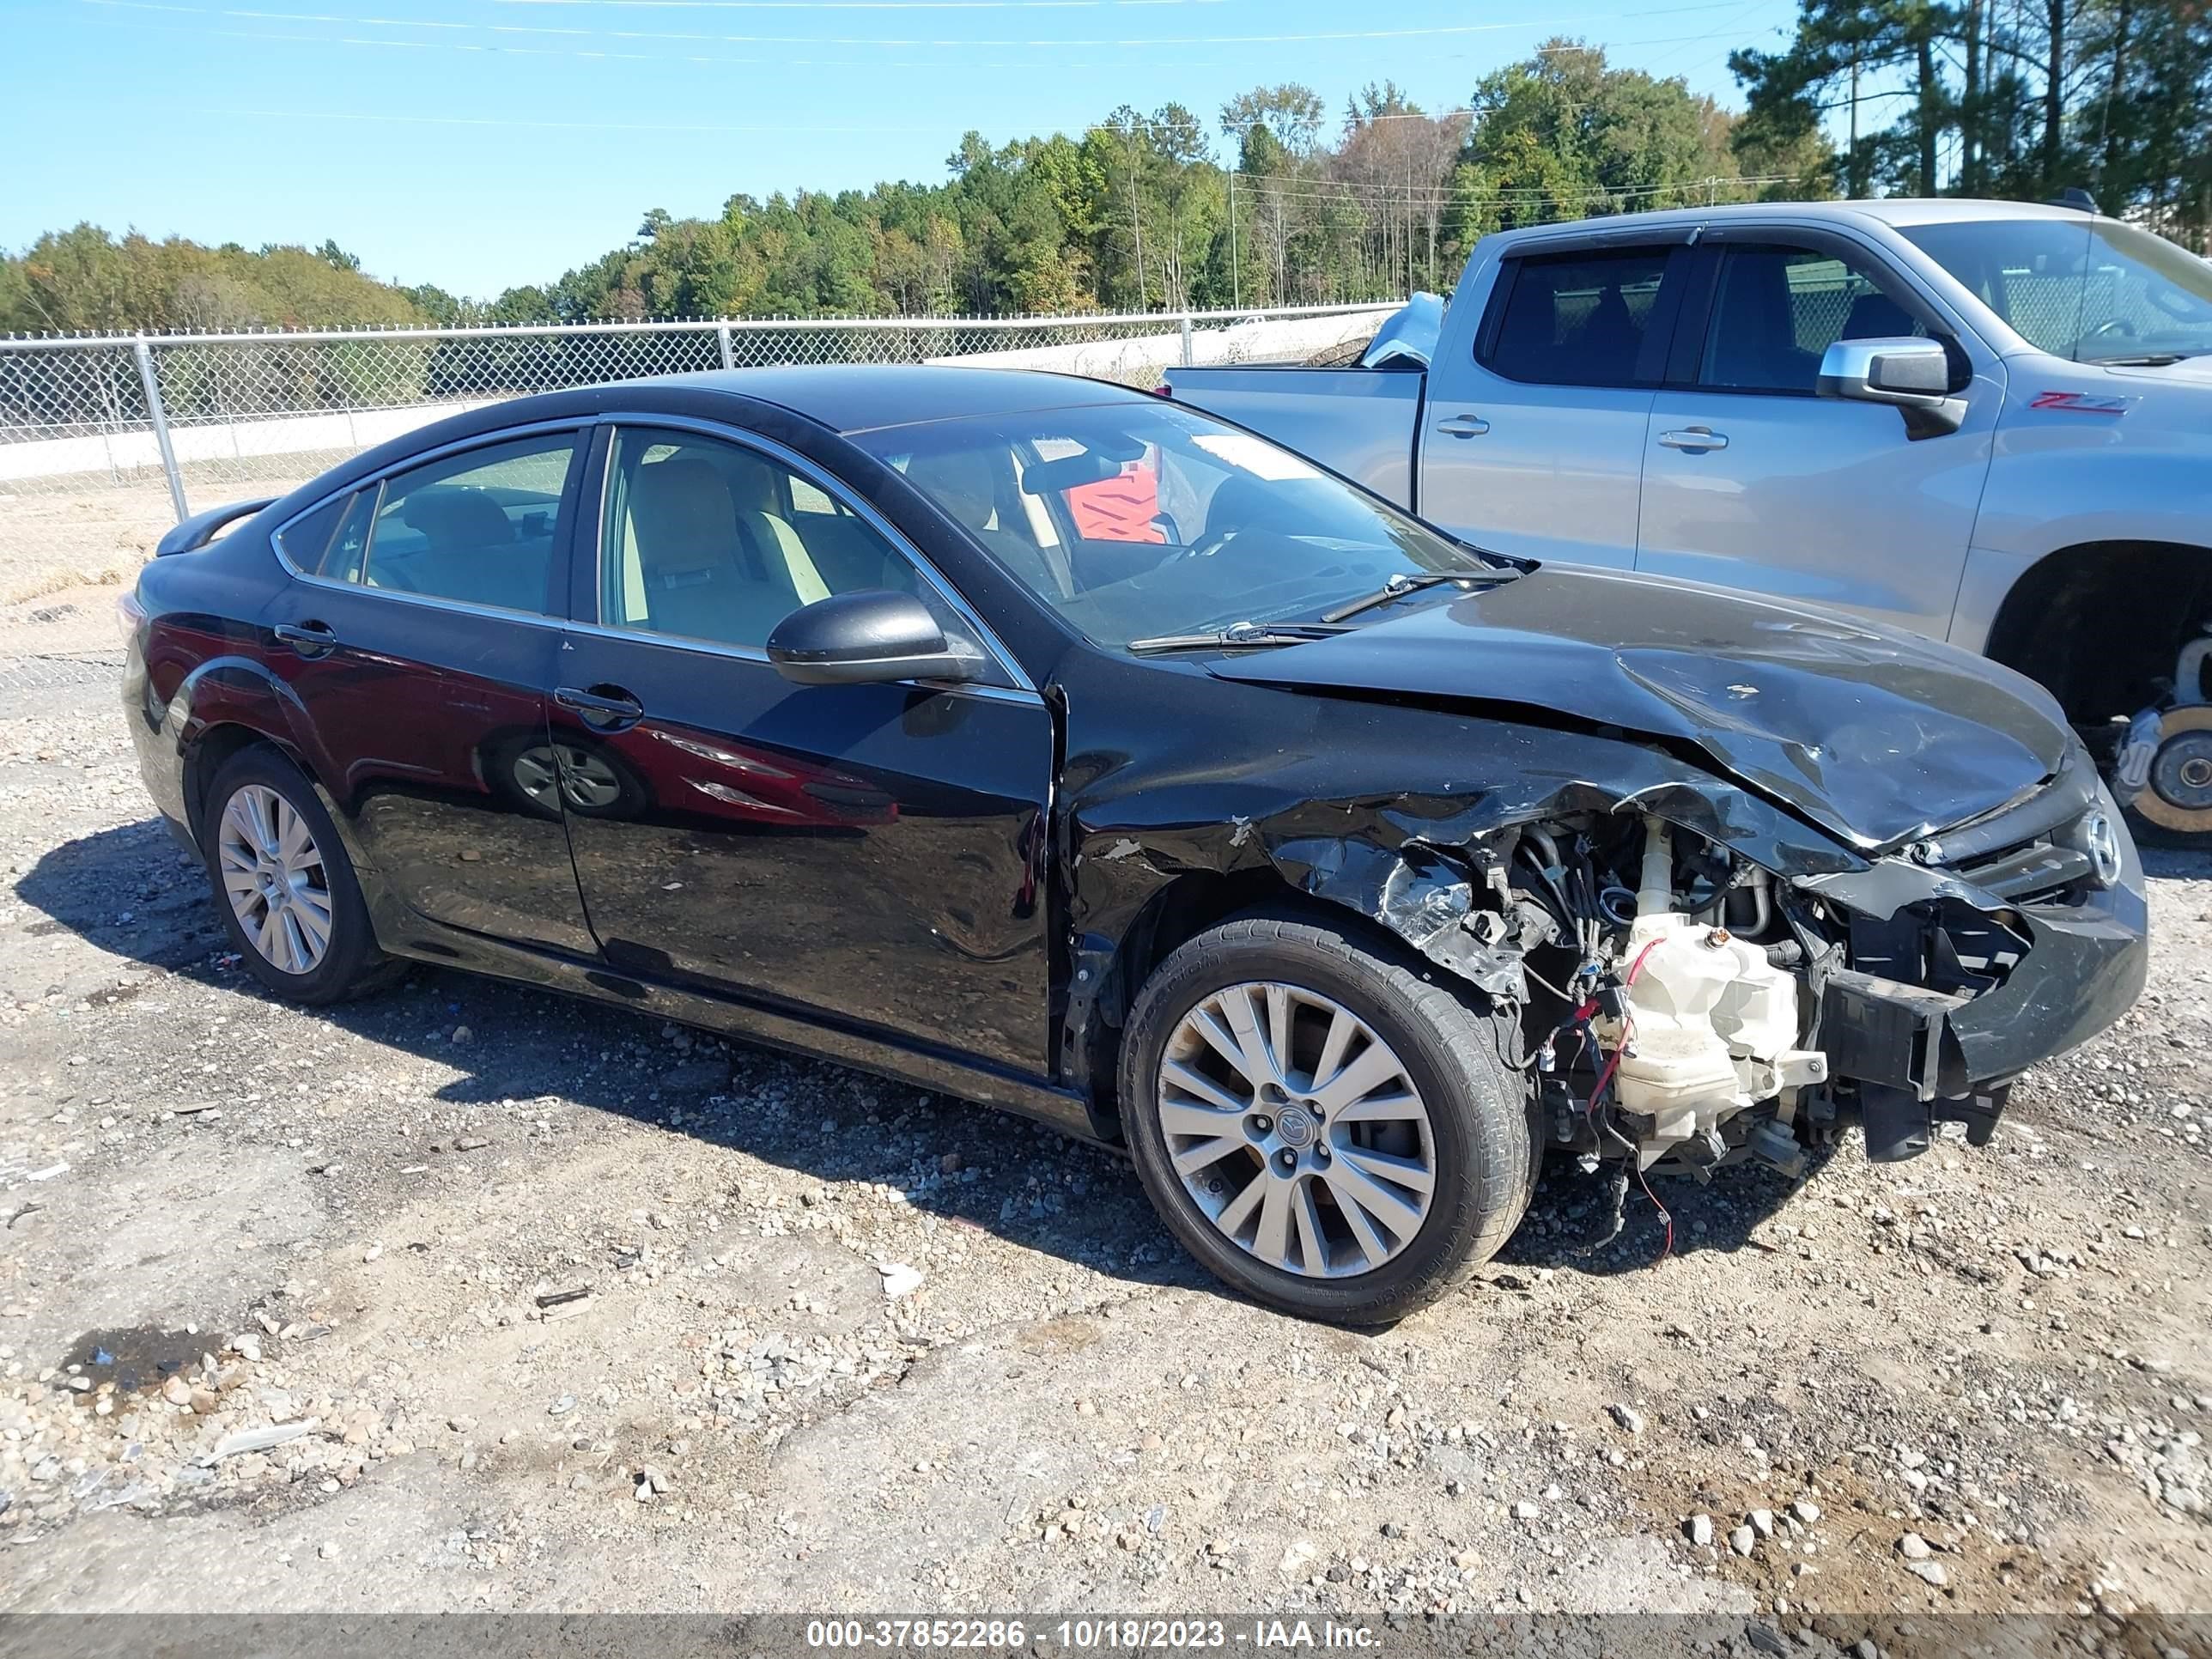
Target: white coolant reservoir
x,y
1712,1025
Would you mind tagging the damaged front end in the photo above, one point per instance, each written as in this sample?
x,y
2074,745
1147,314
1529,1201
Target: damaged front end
x,y
1690,989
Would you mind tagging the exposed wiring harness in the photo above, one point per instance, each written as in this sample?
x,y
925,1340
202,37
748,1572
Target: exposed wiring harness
x,y
1580,1021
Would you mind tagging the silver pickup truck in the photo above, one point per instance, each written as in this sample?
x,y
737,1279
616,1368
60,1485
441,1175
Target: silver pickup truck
x,y
1983,421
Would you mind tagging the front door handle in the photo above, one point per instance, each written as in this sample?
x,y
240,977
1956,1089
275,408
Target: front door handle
x,y
1464,426
1695,439
309,639
604,708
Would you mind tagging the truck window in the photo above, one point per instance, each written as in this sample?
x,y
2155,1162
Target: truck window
x,y
2085,288
1581,319
1776,310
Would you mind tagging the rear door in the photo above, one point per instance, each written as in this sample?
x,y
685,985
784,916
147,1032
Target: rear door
x,y
419,636
1752,481
1535,447
869,854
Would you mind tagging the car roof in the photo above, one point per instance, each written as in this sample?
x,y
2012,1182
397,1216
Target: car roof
x,y
1895,211
850,398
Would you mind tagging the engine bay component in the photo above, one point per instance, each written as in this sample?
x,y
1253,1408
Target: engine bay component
x,y
1709,1025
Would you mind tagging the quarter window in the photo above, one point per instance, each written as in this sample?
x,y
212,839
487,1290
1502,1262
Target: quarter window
x,y
480,527
304,539
1777,310
1583,320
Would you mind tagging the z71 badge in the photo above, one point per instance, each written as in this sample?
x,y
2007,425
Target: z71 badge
x,y
2082,403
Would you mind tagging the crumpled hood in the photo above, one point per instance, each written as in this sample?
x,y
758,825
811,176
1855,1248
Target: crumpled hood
x,y
1876,737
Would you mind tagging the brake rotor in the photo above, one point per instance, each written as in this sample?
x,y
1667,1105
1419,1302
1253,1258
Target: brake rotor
x,y
2178,796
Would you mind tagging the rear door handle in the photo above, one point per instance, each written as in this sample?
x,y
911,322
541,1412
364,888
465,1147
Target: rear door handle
x,y
604,708
309,639
1695,439
1464,426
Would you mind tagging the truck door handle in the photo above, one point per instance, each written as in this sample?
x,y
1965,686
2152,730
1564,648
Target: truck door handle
x,y
309,639
604,708
1464,426
1695,439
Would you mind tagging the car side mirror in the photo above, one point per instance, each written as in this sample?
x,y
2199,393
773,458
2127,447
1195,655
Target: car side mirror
x,y
864,638
1910,374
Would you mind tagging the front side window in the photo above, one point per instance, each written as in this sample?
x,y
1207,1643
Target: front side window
x,y
1138,520
705,539
1582,319
1777,310
2088,289
479,527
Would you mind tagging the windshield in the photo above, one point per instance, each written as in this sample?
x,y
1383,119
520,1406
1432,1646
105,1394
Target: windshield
x,y
1135,520
2092,290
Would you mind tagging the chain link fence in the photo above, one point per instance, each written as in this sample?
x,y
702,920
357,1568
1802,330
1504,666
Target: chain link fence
x,y
106,441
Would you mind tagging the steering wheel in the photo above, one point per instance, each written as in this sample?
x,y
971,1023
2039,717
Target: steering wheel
x,y
2119,325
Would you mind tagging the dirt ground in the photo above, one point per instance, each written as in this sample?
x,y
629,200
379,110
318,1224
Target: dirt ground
x,y
556,1309
60,533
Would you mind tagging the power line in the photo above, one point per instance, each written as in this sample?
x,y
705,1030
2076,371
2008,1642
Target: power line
x,y
875,40
252,14
777,60
535,125
1507,194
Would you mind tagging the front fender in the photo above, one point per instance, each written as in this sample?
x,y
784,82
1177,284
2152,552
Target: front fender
x,y
2064,479
1409,858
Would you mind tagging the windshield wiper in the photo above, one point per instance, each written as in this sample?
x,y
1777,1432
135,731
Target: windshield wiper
x,y
1397,586
1237,636
2149,360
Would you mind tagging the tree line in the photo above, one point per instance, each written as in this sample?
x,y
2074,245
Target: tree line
x,y
1274,200
2006,98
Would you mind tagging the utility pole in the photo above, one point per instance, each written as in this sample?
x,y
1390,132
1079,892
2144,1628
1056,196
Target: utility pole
x,y
1235,284
1855,190
1136,223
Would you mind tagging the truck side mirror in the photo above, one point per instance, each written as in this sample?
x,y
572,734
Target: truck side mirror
x,y
1913,375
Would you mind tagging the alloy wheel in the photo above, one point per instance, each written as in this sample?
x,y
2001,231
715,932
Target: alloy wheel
x,y
1297,1130
550,773
273,875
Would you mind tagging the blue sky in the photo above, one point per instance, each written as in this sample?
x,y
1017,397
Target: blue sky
x,y
480,144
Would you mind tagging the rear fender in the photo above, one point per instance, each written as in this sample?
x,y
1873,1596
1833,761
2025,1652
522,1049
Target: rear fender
x,y
236,694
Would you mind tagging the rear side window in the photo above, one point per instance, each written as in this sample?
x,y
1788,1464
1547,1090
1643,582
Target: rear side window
x,y
1582,319
1779,309
479,527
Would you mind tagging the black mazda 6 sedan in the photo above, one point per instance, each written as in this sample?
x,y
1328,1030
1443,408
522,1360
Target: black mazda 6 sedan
x,y
1051,744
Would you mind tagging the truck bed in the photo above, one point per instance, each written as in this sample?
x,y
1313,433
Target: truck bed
x,y
1361,423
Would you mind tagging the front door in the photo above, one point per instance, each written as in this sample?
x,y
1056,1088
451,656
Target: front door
x,y
869,853
1753,481
1539,448
419,639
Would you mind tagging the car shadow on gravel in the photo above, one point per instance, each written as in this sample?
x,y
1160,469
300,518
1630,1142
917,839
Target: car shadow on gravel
x,y
1571,1224
133,892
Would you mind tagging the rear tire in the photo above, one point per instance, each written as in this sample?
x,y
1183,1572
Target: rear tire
x,y
1397,1153
283,885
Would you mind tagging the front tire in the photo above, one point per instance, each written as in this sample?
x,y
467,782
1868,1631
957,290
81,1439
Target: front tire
x,y
1325,1124
283,885
2174,810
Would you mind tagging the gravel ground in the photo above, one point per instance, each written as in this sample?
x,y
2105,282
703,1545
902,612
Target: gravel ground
x,y
546,1307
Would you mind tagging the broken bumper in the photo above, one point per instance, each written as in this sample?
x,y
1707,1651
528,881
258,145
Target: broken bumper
x,y
1918,1055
